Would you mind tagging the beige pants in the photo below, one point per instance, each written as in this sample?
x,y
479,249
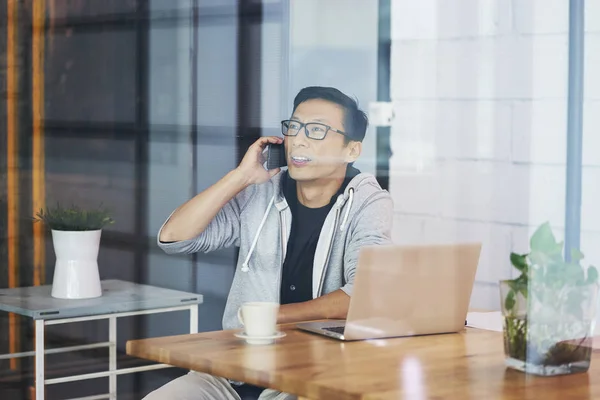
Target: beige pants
x,y
201,386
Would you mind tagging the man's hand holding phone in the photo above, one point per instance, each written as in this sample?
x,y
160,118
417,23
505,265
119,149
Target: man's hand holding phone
x,y
252,168
191,218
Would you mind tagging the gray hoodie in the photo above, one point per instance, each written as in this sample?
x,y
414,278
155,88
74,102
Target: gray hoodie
x,y
258,221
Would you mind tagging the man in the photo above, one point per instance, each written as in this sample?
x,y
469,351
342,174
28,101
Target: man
x,y
299,230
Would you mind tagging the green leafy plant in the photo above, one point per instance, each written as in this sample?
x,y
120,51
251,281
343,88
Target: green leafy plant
x,y
548,304
73,218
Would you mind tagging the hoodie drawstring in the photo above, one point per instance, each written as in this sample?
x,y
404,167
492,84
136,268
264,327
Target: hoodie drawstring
x,y
245,267
348,206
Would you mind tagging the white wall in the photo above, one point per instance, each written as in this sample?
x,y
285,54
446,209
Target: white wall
x,y
479,141
590,223
334,43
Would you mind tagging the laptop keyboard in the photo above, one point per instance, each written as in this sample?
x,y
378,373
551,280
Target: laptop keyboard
x,y
336,329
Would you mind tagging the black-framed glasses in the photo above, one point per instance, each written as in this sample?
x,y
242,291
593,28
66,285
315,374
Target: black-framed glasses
x,y
312,130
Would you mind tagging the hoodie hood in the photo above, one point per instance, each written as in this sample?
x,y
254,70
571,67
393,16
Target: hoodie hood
x,y
289,184
283,184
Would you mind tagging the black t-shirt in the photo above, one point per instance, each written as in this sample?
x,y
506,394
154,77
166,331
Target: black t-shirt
x,y
297,274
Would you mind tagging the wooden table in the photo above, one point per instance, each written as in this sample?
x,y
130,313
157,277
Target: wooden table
x,y
467,365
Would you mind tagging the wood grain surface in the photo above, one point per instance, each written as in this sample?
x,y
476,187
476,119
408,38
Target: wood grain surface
x,y
466,365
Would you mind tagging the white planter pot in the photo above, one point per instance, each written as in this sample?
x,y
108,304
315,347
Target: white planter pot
x,y
76,272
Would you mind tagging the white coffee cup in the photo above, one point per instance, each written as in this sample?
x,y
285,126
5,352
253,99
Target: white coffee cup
x,y
259,318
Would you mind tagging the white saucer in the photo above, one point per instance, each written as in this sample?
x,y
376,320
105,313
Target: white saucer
x,y
259,339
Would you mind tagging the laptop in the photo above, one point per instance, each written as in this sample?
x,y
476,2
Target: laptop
x,y
407,291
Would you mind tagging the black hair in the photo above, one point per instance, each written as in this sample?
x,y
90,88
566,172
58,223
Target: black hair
x,y
355,120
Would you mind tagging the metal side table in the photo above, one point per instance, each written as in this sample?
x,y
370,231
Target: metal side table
x,y
119,299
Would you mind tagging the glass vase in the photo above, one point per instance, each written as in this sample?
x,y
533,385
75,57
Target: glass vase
x,y
547,331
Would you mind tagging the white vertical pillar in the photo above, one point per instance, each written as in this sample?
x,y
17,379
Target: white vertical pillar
x,y
112,361
39,360
194,318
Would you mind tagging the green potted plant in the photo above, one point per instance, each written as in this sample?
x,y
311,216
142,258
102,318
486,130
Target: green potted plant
x,y
76,239
549,310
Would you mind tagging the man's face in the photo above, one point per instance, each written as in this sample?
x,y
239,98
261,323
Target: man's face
x,y
309,159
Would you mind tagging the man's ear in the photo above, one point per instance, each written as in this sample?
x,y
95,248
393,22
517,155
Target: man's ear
x,y
354,150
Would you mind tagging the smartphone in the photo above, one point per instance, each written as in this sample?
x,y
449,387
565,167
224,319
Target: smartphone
x,y
276,156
